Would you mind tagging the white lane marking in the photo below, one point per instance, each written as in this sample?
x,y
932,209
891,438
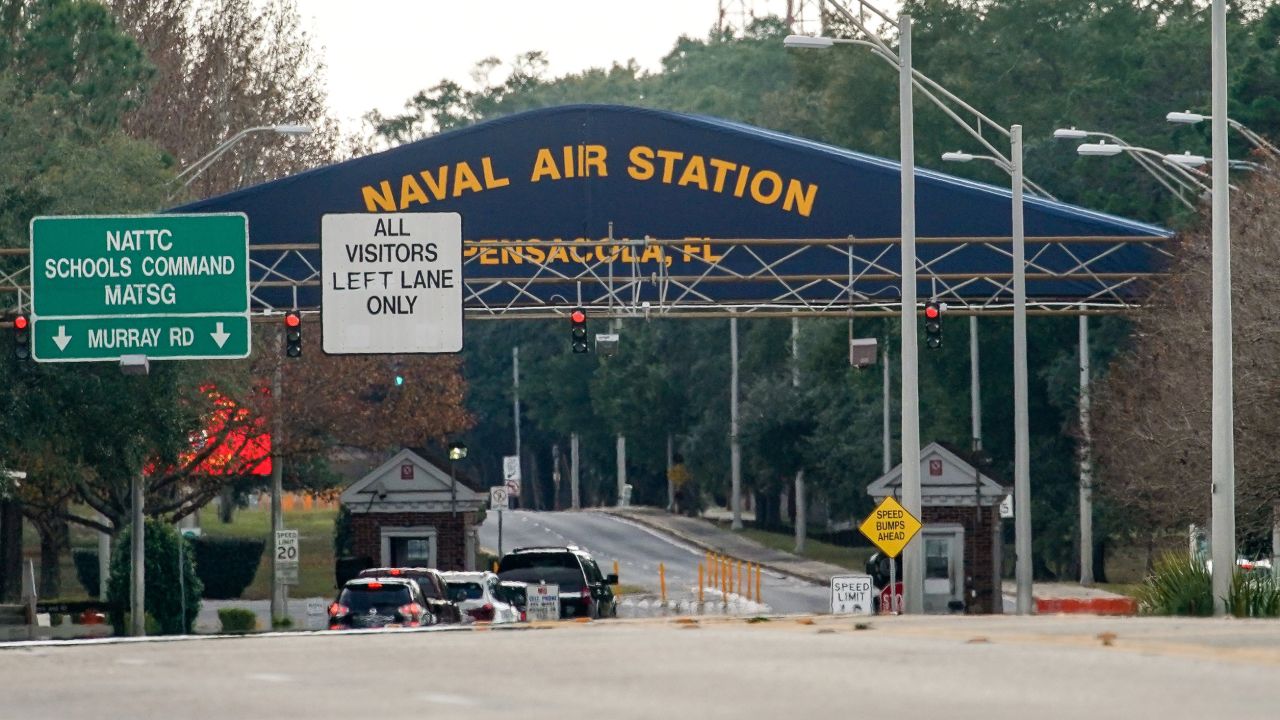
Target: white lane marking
x,y
446,699
130,661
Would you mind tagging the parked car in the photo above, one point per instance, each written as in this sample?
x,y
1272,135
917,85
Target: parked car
x,y
377,603
584,590
515,594
434,590
476,595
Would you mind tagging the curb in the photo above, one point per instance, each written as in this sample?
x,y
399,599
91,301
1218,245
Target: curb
x,y
664,529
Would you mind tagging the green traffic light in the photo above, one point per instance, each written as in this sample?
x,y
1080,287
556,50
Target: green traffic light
x,y
399,380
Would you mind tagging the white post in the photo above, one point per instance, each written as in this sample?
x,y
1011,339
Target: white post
x,y
1086,460
887,402
622,468
975,385
104,560
801,503
1021,440
575,499
137,589
735,451
1223,453
913,554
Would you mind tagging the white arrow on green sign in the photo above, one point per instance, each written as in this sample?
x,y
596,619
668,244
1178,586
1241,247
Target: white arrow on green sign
x,y
171,287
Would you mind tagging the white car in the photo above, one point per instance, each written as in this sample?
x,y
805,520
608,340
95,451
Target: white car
x,y
476,596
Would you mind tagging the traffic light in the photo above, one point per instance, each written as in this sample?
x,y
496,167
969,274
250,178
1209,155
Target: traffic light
x,y
293,334
933,325
21,337
579,330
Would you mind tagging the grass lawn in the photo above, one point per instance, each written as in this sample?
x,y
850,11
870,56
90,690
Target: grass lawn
x,y
854,558
315,547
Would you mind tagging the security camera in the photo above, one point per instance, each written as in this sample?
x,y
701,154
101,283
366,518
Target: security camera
x,y
607,344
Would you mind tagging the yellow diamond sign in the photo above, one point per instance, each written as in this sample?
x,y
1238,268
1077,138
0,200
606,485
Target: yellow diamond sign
x,y
890,527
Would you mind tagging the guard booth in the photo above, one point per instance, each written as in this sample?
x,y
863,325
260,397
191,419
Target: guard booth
x,y
960,517
411,511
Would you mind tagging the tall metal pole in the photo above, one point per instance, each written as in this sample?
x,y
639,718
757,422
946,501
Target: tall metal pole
x,y
622,468
735,452
801,503
887,402
515,393
104,559
278,609
913,555
1223,455
1021,424
1086,460
975,385
575,496
137,590
671,486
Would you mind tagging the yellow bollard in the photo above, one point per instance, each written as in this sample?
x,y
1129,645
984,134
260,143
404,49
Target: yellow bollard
x,y
724,581
739,586
495,566
616,594
699,584
662,581
759,597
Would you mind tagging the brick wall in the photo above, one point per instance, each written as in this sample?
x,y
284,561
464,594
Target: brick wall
x,y
978,571
451,538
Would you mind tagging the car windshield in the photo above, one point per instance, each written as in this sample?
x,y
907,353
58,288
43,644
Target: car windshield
x,y
522,561
569,580
459,591
512,594
428,585
359,598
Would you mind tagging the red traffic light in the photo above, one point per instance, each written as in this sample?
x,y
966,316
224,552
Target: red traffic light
x,y
931,312
20,322
293,319
578,316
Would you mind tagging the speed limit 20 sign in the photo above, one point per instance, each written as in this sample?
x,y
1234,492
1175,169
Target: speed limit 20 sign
x,y
286,557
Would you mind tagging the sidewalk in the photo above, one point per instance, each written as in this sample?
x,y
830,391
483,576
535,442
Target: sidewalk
x,y
707,536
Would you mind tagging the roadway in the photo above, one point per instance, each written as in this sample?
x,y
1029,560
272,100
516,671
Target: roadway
x,y
638,551
995,668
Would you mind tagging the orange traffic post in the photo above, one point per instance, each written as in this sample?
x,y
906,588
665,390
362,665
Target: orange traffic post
x,y
618,587
495,566
699,584
759,597
662,581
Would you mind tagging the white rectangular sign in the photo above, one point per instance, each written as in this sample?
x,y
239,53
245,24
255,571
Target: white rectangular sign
x,y
544,602
286,555
498,498
391,283
510,468
851,595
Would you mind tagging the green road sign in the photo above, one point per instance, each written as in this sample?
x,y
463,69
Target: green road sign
x,y
159,338
164,286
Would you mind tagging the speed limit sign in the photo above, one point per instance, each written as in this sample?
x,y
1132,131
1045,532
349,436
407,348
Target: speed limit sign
x,y
286,557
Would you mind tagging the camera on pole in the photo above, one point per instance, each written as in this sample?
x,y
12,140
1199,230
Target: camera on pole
x,y
293,334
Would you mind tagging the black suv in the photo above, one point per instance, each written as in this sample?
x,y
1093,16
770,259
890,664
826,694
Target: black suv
x,y
584,591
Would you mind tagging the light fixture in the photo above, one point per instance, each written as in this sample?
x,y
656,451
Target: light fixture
x,y
457,451
1070,134
292,129
1185,118
1101,149
957,156
1186,159
807,42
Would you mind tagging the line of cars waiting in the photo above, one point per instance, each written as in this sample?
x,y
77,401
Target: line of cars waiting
x,y
386,597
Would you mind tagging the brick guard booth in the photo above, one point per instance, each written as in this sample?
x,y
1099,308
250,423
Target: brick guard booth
x,y
407,512
961,531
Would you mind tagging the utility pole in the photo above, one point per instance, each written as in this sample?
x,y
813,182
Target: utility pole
x,y
975,414
575,499
1086,460
913,554
801,505
515,403
1021,423
555,476
888,402
735,451
137,588
622,469
278,609
671,488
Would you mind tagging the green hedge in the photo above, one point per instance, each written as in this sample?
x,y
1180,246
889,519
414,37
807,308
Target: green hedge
x,y
86,562
163,599
226,566
237,620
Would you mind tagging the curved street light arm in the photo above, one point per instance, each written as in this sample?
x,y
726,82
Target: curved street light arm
x,y
1157,170
1254,138
199,165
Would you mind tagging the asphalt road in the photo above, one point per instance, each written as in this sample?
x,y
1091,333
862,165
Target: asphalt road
x,y
638,551
1004,668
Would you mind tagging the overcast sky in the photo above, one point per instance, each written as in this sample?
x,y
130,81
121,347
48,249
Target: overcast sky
x,y
380,52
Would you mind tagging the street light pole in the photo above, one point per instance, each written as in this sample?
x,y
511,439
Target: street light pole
x,y
1021,429
1223,489
188,176
913,554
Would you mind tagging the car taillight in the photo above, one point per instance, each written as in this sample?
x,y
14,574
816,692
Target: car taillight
x,y
586,593
338,609
524,616
484,612
410,610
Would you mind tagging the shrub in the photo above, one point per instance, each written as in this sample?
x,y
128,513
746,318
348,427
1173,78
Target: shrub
x,y
1180,586
237,620
86,562
1254,594
226,566
163,599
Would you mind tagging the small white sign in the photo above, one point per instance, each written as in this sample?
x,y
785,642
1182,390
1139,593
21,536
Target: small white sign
x,y
315,606
391,283
1006,507
511,468
498,497
543,602
851,595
